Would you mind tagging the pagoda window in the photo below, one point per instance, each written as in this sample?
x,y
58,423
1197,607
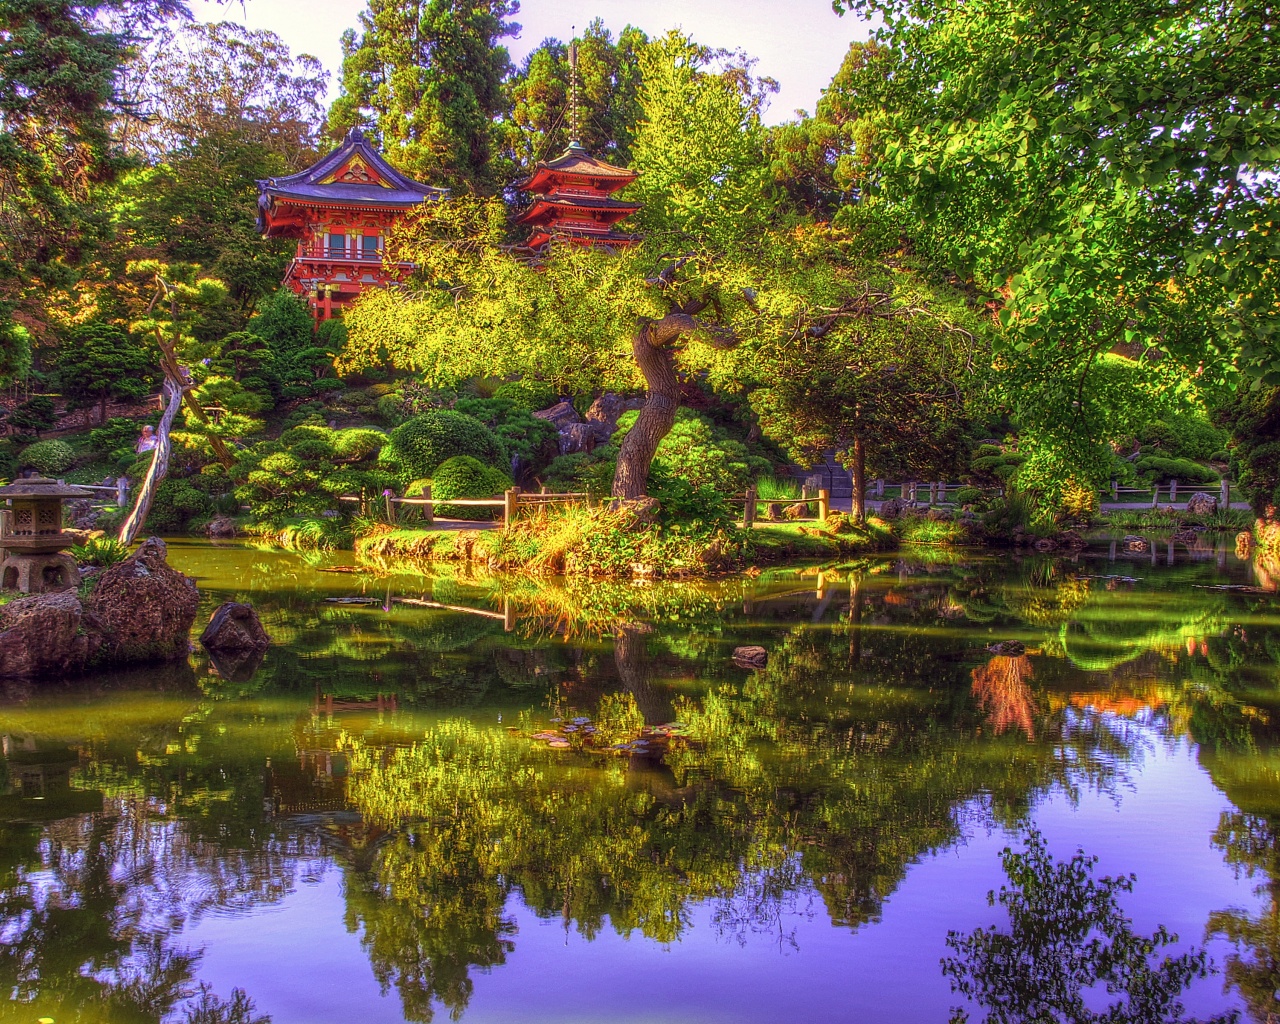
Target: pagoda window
x,y
369,246
337,246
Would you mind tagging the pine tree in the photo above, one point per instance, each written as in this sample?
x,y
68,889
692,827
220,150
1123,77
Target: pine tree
x,y
426,76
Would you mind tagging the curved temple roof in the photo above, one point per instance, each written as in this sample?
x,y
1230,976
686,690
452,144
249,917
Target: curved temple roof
x,y
366,179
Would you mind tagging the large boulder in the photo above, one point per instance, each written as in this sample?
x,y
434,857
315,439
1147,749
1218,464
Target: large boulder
x,y
561,414
221,528
234,626
42,635
1201,504
143,608
750,656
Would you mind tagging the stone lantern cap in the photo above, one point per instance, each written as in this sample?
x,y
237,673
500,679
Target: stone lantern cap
x,y
42,487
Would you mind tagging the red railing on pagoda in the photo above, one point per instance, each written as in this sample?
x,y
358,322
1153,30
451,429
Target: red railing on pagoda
x,y
320,251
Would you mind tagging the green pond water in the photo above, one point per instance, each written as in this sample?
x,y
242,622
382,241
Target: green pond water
x,y
565,801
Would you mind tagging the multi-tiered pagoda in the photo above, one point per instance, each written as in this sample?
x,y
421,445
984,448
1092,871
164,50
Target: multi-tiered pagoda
x,y
340,210
573,200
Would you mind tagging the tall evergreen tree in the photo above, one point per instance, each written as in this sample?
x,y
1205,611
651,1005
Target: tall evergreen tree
x,y
538,124
427,76
59,71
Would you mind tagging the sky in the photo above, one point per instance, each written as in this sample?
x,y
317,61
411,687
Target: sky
x,y
800,43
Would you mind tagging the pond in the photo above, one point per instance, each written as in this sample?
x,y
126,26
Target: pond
x,y
566,802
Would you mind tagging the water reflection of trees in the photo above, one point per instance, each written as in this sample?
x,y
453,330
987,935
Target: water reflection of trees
x,y
877,728
92,906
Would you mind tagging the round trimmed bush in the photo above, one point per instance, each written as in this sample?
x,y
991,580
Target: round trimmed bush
x,y
418,446
527,394
48,458
465,477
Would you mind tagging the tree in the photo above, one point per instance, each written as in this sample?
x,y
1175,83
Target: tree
x,y
537,125
224,84
97,362
565,317
885,379
427,76
1067,935
58,79
1103,175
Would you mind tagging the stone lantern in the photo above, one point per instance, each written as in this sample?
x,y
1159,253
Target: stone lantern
x,y
32,537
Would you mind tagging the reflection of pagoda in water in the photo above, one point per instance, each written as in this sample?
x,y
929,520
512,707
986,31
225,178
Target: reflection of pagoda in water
x,y
317,782
35,781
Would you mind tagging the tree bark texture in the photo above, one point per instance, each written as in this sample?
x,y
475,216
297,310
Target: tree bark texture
x,y
137,518
632,660
652,346
859,480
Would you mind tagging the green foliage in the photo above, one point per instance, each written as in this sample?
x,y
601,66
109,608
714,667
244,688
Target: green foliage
x,y
49,458
34,415
772,488
302,475
608,83
696,510
429,78
1184,437
178,504
100,551
966,496
580,472
1254,421
115,437
98,361
995,464
527,394
1127,175
1068,937
1154,468
419,445
533,441
465,477
703,455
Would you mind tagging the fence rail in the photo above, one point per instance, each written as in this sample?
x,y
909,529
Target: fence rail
x,y
510,502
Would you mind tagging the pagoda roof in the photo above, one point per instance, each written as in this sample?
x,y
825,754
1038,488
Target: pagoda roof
x,y
42,487
549,203
353,174
575,162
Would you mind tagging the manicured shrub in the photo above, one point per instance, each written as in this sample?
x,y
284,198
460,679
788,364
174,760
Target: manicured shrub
x,y
1161,470
418,446
527,394
465,477
177,504
532,441
33,415
1183,437
114,438
967,496
304,473
48,458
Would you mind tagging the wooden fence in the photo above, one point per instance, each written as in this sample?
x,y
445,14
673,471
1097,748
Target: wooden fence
x,y
511,502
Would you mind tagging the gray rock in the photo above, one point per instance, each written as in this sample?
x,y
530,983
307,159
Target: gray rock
x,y
561,414
1136,545
1201,504
1008,648
234,626
750,657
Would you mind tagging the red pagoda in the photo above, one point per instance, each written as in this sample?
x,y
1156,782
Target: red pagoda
x,y
573,200
340,210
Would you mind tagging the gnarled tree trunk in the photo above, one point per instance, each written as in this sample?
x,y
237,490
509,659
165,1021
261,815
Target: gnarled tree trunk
x,y
656,359
859,480
159,464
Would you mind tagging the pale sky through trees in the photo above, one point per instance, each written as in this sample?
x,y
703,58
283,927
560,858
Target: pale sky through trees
x,y
798,42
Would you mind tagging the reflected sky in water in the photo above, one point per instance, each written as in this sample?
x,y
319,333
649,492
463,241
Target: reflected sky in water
x,y
373,824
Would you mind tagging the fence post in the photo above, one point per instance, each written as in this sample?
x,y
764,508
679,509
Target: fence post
x,y
122,491
912,492
824,503
511,502
1155,494
391,509
933,493
880,488
749,508
1115,489
1224,496
428,510
1173,491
